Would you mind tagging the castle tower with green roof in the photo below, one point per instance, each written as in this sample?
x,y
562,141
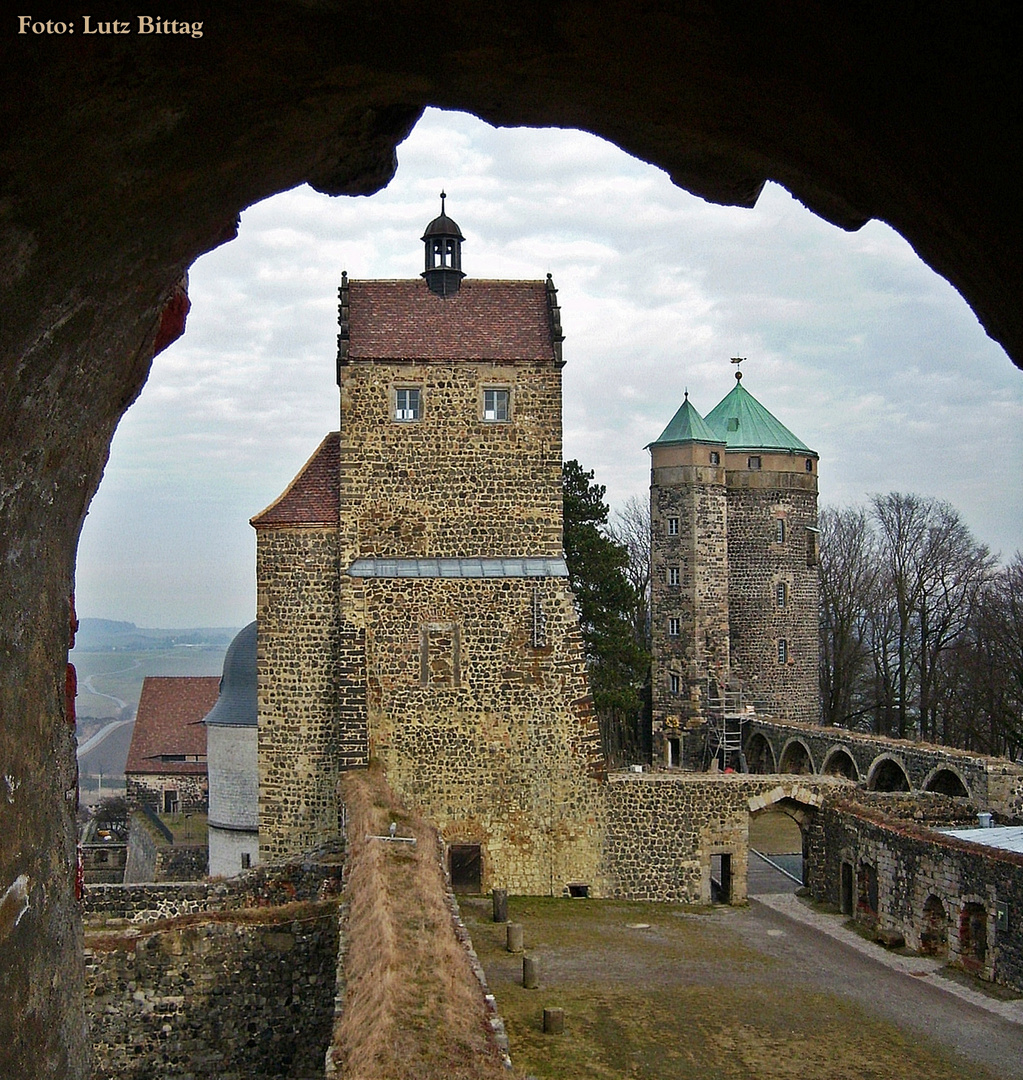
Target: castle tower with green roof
x,y
734,588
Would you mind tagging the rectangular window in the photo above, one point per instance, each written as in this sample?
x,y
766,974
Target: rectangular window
x,y
674,575
811,547
783,651
715,457
779,530
673,526
675,683
406,403
673,626
753,463
781,594
495,405
246,861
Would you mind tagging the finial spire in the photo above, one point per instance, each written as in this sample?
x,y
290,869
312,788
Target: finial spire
x,y
443,196
738,371
686,398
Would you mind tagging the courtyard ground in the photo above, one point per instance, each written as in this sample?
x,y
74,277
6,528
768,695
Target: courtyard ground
x,y
665,992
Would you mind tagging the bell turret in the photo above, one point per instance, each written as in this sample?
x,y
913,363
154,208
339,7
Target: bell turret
x,y
443,241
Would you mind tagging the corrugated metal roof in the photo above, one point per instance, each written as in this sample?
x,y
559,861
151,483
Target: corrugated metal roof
x,y
744,424
687,426
458,568
1006,838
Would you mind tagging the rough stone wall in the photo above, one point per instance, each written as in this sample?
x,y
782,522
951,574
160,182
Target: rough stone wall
x,y
490,738
451,484
147,789
224,1000
992,783
297,607
757,564
694,495
913,864
663,828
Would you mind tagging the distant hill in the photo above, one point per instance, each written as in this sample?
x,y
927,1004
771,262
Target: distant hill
x,y
107,635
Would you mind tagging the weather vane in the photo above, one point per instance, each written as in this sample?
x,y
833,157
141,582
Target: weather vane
x,y
737,360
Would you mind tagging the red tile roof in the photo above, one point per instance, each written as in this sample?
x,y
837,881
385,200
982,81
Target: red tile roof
x,y
169,722
313,497
484,320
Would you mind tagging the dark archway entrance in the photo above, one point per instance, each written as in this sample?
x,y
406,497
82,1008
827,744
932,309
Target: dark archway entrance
x,y
465,864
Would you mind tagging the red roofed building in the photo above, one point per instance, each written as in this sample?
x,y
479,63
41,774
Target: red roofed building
x,y
166,768
413,603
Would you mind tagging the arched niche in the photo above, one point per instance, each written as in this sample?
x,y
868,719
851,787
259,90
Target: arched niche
x,y
888,773
796,758
947,780
839,762
760,754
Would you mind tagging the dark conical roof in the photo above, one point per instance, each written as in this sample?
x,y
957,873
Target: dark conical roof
x,y
236,706
443,225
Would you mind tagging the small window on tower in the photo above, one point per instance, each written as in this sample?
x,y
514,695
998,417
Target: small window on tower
x,y
673,526
675,682
674,575
811,547
783,651
753,463
406,403
495,405
673,627
715,457
782,594
809,464
779,530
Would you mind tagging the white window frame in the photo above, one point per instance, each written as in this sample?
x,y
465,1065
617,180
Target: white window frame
x,y
673,526
492,410
674,575
675,683
674,626
408,413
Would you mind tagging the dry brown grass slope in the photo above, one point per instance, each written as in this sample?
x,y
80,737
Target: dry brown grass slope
x,y
413,1010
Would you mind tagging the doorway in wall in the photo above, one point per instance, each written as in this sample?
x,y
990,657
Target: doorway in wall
x,y
721,878
465,864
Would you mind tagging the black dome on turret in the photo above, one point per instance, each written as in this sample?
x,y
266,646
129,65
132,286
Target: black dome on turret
x,y
236,706
442,225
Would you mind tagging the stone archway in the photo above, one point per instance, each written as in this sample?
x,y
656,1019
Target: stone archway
x,y
839,762
947,780
888,773
795,758
124,162
760,754
778,824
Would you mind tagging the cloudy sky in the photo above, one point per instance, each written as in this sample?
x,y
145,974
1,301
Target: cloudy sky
x,y
861,350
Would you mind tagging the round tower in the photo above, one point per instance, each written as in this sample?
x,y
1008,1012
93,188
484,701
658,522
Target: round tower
x,y
231,755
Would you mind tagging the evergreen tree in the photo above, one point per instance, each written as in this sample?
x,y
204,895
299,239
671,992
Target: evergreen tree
x,y
597,568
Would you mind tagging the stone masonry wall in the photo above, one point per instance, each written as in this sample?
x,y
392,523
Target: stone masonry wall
x,y
147,789
663,828
487,735
694,497
758,563
916,869
223,1000
297,607
451,484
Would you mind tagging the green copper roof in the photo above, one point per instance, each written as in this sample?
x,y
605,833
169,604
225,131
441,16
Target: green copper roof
x,y
744,424
687,426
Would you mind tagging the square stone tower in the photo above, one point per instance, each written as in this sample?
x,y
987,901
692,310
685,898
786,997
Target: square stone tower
x,y
446,645
734,586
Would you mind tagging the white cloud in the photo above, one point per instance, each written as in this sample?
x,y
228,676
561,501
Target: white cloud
x,y
862,351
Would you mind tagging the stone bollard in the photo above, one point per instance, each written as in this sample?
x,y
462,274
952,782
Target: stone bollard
x,y
500,905
530,973
554,1021
514,937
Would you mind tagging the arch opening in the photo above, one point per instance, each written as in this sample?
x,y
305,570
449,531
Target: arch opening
x,y
795,759
946,781
887,774
760,755
934,930
839,762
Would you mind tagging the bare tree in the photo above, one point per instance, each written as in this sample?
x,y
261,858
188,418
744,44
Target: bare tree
x,y
848,568
630,527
